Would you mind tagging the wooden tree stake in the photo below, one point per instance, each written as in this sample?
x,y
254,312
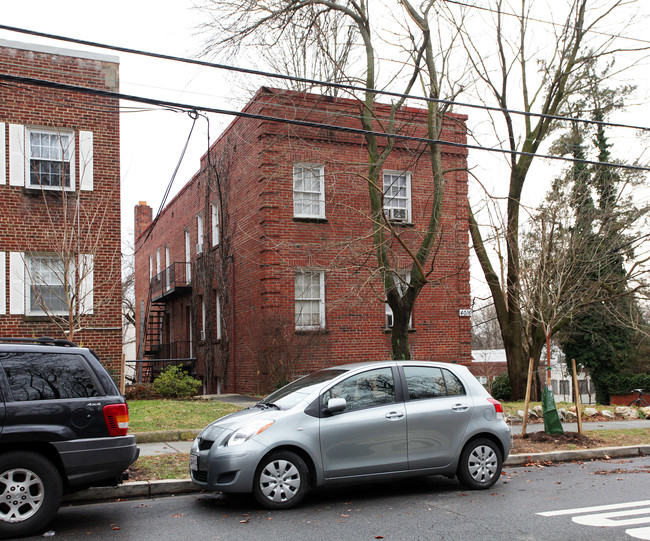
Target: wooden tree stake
x,y
576,392
527,402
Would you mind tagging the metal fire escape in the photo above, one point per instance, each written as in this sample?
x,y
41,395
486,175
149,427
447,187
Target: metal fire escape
x,y
172,283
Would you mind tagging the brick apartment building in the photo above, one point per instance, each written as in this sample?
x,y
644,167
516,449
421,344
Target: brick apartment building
x,y
262,267
60,194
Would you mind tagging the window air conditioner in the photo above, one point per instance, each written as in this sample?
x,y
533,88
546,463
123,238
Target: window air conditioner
x,y
397,214
199,248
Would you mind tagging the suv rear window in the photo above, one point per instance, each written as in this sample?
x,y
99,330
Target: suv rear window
x,y
46,376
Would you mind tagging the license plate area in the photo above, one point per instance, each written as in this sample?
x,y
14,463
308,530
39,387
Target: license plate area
x,y
194,462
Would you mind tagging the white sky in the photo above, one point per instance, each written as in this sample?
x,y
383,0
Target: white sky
x,y
152,141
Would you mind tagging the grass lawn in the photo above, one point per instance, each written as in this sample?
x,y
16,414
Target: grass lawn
x,y
148,415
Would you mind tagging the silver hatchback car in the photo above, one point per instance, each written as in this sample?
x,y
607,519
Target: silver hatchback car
x,y
356,423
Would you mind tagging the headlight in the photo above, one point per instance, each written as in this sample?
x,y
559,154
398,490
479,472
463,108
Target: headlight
x,y
246,432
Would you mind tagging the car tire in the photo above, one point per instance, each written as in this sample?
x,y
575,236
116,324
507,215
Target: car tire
x,y
281,480
480,464
30,493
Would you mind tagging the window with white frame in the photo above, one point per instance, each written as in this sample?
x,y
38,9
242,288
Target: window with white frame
x,y
401,282
308,190
218,315
215,224
199,233
188,256
397,196
203,313
310,299
50,158
46,285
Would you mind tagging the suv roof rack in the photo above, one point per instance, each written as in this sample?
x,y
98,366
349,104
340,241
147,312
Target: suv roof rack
x,y
44,340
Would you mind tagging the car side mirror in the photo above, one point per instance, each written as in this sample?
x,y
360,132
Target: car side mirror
x,y
335,405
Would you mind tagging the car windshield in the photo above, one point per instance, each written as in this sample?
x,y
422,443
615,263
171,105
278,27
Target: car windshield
x,y
291,394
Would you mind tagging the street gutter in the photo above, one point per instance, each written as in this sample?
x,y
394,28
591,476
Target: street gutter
x,y
169,487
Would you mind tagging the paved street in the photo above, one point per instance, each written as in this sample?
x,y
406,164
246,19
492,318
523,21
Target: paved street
x,y
529,503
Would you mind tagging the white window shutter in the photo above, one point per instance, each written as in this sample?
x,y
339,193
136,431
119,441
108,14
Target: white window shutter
x,y
3,157
86,160
86,286
3,284
16,283
17,155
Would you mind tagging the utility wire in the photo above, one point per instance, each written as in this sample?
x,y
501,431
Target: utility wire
x,y
315,82
194,116
295,122
542,21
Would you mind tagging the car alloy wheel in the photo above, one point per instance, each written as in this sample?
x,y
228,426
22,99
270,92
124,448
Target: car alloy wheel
x,y
22,494
30,493
480,464
281,480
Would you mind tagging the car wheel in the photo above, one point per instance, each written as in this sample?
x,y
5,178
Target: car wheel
x,y
281,480
30,493
480,464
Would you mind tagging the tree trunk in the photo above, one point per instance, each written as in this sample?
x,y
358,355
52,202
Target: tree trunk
x,y
399,335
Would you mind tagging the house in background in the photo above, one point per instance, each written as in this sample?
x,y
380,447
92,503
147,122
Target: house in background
x,y
60,248
489,363
262,267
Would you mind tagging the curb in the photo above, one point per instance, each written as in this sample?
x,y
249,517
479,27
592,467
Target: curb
x,y
582,454
150,489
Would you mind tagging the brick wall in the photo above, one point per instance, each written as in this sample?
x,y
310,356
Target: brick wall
x,y
33,220
269,244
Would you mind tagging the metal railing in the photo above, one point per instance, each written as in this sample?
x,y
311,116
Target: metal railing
x,y
177,275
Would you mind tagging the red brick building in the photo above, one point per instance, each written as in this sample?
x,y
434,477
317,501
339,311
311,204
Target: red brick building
x,y
262,267
60,194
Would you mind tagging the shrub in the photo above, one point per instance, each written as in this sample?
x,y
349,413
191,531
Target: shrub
x,y
174,382
500,387
140,391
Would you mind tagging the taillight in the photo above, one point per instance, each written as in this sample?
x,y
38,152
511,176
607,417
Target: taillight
x,y
497,407
117,419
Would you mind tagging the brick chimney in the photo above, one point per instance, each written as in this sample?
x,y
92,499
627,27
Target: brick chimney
x,y
143,217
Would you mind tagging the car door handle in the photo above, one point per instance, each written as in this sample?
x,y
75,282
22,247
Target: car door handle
x,y
460,407
394,415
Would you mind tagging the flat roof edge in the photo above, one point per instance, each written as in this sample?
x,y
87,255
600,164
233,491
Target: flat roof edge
x,y
48,49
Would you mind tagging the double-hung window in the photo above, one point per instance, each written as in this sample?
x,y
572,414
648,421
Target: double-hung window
x,y
215,224
397,196
50,158
199,233
308,190
310,299
46,275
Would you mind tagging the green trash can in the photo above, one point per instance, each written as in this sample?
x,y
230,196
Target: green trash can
x,y
552,423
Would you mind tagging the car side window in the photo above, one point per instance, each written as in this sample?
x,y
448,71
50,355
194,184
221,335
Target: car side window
x,y
454,385
430,382
424,382
365,390
47,376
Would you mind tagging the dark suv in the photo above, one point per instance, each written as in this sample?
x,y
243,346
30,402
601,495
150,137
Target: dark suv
x,y
63,428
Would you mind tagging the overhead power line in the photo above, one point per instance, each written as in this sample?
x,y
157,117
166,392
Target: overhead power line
x,y
295,122
316,82
542,21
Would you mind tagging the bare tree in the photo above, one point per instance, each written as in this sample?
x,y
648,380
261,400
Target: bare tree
x,y
274,23
538,77
212,273
62,281
485,327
